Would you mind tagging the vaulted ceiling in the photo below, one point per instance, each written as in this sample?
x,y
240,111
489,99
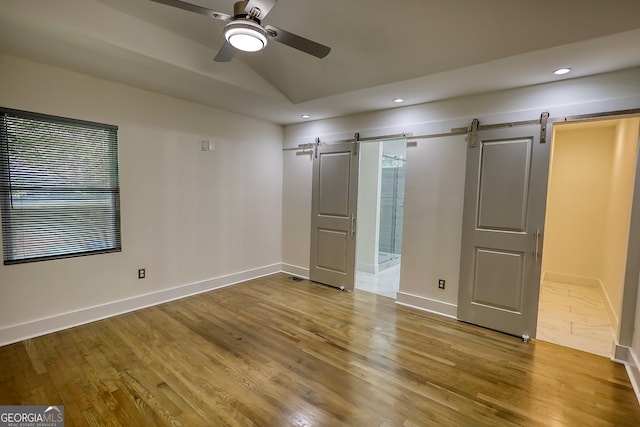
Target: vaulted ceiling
x,y
420,50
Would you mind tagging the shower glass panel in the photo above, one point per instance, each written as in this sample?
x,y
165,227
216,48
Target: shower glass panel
x,y
391,205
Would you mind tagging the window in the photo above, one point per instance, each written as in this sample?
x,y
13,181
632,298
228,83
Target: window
x,y
59,192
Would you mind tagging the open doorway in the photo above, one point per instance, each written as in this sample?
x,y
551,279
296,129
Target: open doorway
x,y
380,215
591,183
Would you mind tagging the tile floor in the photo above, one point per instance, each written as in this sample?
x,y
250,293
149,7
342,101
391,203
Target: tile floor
x,y
575,316
386,282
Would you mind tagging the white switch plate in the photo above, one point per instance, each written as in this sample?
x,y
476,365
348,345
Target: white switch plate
x,y
206,145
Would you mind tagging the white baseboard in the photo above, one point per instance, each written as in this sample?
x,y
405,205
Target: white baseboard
x,y
610,310
67,320
367,268
295,270
631,361
571,279
427,304
620,353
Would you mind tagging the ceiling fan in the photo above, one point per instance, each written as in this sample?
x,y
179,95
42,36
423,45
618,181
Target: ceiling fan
x,y
245,32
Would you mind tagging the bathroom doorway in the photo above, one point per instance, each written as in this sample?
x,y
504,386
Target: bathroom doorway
x,y
380,216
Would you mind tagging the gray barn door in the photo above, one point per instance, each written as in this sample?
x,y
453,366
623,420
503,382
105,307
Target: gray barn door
x,y
333,215
504,208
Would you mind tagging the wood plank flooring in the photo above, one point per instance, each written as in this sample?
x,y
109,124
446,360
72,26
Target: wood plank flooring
x,y
274,352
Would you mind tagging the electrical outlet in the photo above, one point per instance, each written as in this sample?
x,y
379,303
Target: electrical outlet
x,y
141,273
441,283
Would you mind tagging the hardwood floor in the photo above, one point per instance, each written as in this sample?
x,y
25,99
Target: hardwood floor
x,y
274,352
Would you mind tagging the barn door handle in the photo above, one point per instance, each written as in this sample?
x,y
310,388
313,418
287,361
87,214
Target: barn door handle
x,y
353,225
537,237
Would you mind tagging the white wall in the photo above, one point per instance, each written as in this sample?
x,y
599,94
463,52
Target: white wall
x,y
195,220
619,211
432,233
368,217
296,198
577,200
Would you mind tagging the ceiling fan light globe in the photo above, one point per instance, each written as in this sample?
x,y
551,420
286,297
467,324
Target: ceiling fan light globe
x,y
246,42
246,36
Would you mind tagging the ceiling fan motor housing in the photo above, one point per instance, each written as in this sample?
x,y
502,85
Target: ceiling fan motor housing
x,y
244,32
239,9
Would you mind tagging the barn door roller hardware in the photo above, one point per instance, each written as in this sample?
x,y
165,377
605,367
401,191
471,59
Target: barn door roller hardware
x,y
473,132
475,127
543,127
356,143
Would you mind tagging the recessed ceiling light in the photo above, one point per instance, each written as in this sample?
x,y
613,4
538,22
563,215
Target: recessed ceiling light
x,y
305,116
561,71
398,100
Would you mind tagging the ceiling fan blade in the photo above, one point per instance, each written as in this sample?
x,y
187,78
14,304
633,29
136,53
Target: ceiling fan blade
x,y
195,8
263,5
297,42
226,52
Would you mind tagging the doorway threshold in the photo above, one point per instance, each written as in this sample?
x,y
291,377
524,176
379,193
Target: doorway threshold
x,y
385,283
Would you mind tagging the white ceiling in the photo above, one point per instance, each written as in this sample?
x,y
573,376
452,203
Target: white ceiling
x,y
421,50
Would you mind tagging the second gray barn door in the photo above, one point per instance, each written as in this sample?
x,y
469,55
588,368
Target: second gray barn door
x,y
333,215
504,208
